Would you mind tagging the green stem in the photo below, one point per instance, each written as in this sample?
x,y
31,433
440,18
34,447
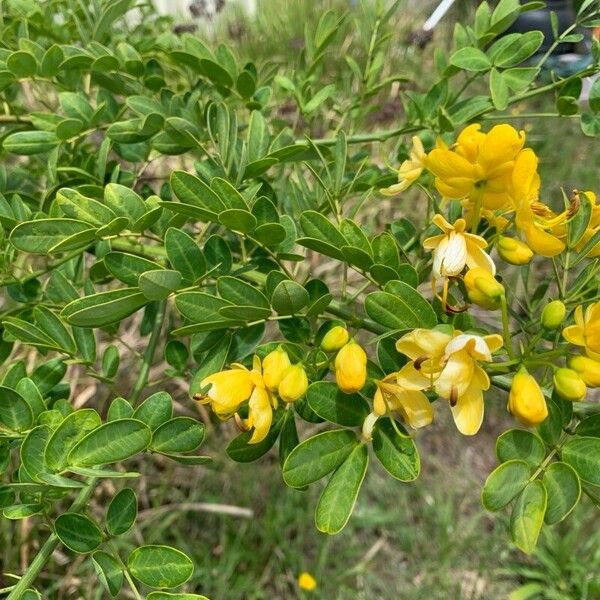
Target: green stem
x,y
10,119
144,373
45,552
506,327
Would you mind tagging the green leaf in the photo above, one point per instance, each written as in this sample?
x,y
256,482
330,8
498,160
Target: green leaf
x,y
121,512
191,190
230,197
119,409
128,267
512,49
594,97
15,413
76,206
238,220
27,143
159,284
406,309
258,136
330,403
112,442
590,426
470,59
40,236
72,429
22,511
321,234
339,496
240,293
54,328
498,89
522,445
564,490
160,566
78,532
32,395
580,221
184,255
200,307
21,64
155,410
315,457
527,516
124,202
75,106
397,453
583,454
32,451
289,297
111,13
181,434
109,571
590,125
104,308
504,483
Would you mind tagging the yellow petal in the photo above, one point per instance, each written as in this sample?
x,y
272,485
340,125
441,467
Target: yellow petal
x,y
228,390
260,414
574,335
468,410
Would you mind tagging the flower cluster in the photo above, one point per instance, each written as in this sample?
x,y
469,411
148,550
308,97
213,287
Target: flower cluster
x,y
496,178
276,377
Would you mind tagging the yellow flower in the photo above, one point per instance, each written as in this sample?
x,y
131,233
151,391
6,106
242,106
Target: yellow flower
x,y
533,218
456,249
413,405
410,170
479,167
588,369
462,381
514,251
569,385
273,367
335,338
260,414
526,400
307,582
229,390
351,368
483,288
425,348
586,331
294,383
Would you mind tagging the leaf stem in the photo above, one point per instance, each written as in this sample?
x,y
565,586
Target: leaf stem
x,y
45,552
144,373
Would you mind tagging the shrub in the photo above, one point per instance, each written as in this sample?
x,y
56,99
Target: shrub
x,y
153,181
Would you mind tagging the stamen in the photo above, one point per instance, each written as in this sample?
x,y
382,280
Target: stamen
x,y
453,396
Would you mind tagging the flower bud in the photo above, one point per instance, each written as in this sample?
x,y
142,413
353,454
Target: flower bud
x,y
335,338
587,368
553,314
351,368
526,400
294,383
569,385
483,288
273,367
514,251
